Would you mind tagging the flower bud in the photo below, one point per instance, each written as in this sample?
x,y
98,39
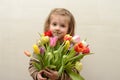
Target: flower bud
x,y
78,66
79,47
27,53
84,43
76,39
42,50
49,55
44,39
67,45
53,41
86,50
67,37
36,49
48,33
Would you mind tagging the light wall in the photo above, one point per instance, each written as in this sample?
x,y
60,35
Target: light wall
x,y
96,20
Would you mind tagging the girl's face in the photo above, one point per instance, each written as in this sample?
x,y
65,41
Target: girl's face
x,y
59,25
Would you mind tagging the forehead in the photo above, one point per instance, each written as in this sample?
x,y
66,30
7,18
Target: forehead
x,y
59,18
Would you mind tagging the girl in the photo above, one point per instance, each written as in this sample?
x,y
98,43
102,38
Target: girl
x,y
61,22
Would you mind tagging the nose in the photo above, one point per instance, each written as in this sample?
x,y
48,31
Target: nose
x,y
57,27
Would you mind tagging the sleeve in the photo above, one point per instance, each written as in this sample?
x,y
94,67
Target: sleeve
x,y
32,70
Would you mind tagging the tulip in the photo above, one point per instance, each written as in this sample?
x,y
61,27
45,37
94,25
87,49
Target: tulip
x,y
49,55
27,53
44,39
42,50
67,45
84,43
67,37
53,41
76,39
39,43
48,33
78,66
36,49
79,47
86,50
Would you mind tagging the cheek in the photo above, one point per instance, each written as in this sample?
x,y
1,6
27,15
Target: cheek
x,y
51,28
65,30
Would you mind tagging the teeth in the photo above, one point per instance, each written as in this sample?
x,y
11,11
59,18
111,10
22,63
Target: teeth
x,y
56,33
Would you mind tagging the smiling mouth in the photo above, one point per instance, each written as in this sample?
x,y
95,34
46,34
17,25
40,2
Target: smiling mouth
x,y
56,33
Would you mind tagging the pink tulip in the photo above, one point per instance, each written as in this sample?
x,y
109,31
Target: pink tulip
x,y
53,41
76,39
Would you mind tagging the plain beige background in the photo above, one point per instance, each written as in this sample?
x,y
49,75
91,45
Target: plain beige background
x,y
96,20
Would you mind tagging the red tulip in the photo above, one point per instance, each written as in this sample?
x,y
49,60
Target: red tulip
x,y
48,33
86,50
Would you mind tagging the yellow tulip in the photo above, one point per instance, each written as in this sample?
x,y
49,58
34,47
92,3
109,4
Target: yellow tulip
x,y
36,49
44,39
78,66
67,45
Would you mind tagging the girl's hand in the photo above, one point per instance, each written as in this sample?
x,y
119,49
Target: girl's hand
x,y
53,75
39,75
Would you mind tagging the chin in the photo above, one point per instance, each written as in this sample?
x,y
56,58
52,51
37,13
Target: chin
x,y
60,38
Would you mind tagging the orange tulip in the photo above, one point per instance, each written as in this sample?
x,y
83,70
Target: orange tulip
x,y
27,53
67,37
79,47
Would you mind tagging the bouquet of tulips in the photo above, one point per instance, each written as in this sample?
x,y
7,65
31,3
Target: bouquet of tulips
x,y
62,57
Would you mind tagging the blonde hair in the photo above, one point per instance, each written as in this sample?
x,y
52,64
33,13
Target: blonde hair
x,y
62,12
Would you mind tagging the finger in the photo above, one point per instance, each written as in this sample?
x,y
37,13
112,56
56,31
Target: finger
x,y
39,76
48,74
49,70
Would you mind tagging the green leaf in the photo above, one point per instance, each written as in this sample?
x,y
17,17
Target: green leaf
x,y
71,53
60,70
74,75
51,66
39,57
76,58
37,65
57,45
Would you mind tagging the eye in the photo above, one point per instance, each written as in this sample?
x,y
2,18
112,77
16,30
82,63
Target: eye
x,y
54,24
62,25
